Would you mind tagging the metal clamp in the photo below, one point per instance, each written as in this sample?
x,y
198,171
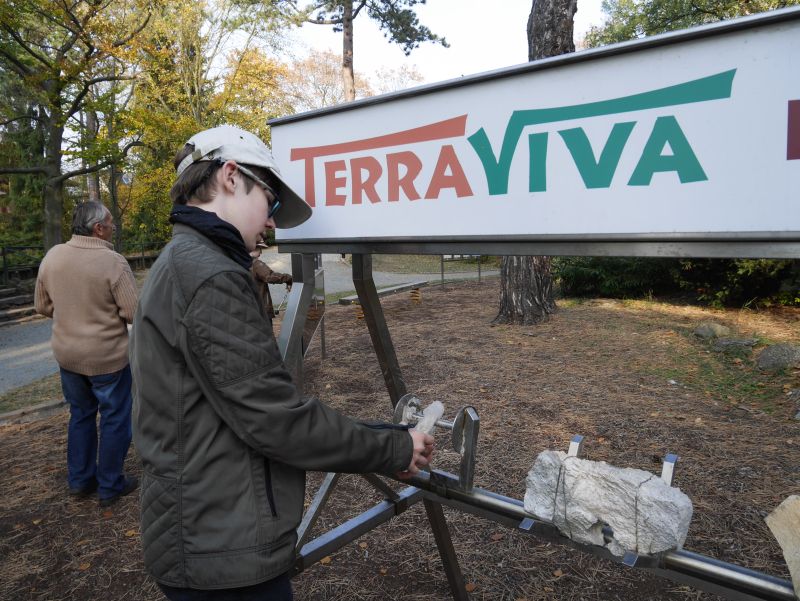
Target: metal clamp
x,y
464,433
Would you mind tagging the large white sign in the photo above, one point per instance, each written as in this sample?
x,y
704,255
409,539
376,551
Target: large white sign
x,y
697,137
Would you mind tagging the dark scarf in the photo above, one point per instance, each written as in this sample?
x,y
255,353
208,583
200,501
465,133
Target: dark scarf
x,y
220,232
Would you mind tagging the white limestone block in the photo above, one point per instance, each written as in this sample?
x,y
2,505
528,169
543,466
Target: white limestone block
x,y
784,522
430,415
580,497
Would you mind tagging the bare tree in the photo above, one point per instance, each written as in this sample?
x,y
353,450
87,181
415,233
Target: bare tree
x,y
526,295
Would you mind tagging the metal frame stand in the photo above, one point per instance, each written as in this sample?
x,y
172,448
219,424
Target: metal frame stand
x,y
437,488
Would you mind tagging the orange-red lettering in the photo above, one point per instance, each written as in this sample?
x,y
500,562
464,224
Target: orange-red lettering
x,y
413,166
309,170
456,180
333,183
374,172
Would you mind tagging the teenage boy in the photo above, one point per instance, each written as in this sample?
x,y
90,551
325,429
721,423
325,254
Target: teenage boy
x,y
224,435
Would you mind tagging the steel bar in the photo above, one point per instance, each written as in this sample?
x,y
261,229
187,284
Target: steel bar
x,y
707,246
701,572
376,323
337,538
290,341
381,487
315,509
445,545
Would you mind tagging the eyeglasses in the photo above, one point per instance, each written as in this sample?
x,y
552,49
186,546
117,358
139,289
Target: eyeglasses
x,y
276,203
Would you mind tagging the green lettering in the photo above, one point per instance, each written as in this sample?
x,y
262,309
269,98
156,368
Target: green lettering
x,y
497,168
537,146
682,160
597,173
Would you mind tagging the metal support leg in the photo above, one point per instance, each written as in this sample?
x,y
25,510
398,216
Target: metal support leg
x,y
448,554
290,341
376,323
316,507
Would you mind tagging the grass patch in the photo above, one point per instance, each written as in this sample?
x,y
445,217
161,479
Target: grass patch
x,y
730,376
40,391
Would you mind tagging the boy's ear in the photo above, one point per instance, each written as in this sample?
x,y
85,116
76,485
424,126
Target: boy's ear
x,y
227,176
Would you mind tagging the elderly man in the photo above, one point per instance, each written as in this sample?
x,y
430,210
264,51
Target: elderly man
x,y
89,291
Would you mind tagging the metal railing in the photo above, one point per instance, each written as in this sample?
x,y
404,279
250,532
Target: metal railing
x,y
19,261
22,262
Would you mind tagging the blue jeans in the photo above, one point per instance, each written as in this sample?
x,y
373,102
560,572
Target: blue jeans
x,y
111,395
277,589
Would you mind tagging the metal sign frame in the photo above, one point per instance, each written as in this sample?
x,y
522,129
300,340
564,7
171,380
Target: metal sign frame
x,y
751,244
439,488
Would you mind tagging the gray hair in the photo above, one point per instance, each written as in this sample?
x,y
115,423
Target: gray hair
x,y
86,215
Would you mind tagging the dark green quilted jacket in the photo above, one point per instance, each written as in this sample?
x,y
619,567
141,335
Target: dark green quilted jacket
x,y
223,434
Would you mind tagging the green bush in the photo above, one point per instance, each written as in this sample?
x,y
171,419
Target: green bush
x,y
742,282
616,277
719,282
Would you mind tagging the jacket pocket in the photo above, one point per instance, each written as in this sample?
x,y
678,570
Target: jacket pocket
x,y
160,536
268,485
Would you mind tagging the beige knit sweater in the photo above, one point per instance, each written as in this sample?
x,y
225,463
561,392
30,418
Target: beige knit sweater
x,y
89,291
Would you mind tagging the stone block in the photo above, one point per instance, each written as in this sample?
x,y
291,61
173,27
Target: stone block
x,y
708,330
581,497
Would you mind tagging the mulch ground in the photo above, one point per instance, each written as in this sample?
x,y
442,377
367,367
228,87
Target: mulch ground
x,y
628,376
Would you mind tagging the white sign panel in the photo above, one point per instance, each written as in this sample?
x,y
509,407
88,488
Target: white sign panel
x,y
696,137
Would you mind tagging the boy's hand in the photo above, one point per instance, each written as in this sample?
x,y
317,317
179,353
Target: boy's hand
x,y
424,446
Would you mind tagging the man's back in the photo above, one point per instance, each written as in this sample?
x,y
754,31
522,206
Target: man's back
x,y
89,291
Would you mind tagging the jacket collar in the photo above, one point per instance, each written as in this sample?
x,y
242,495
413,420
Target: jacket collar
x,y
88,242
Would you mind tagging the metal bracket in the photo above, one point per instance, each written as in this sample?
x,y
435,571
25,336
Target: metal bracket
x,y
575,446
668,469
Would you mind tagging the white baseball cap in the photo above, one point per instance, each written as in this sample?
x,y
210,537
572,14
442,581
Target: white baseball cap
x,y
228,143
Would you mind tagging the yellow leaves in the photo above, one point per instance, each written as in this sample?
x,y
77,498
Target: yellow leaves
x,y
558,573
131,533
471,586
497,536
37,521
325,560
84,566
362,545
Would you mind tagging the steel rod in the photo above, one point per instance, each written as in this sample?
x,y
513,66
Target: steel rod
x,y
337,538
706,573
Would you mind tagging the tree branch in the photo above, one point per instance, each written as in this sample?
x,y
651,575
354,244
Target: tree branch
x,y
20,170
21,118
25,47
98,166
358,10
133,33
19,67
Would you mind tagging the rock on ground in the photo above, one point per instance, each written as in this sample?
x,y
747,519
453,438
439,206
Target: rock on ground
x,y
778,357
708,330
581,497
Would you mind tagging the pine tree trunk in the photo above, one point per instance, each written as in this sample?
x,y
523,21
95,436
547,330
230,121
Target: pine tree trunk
x,y
526,295
348,74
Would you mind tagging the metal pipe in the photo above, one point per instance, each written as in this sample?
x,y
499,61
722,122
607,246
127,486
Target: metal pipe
x,y
730,574
703,572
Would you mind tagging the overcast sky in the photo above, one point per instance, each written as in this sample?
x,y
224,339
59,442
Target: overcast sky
x,y
480,40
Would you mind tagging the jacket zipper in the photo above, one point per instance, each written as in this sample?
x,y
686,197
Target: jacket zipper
x,y
268,484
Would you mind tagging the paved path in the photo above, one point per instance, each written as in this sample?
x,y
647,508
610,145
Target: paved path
x,y
25,354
